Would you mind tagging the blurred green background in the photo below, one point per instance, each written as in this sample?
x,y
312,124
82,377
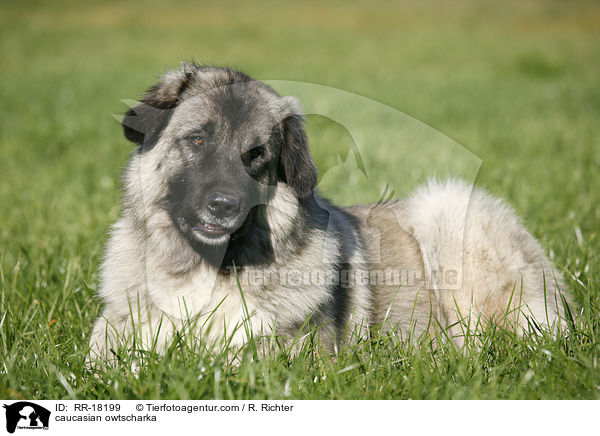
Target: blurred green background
x,y
515,82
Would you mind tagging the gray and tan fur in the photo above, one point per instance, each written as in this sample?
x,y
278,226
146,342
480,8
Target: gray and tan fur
x,y
223,176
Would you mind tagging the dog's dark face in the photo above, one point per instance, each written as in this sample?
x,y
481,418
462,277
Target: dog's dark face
x,y
227,141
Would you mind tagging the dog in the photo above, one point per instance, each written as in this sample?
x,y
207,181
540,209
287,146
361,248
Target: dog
x,y
221,225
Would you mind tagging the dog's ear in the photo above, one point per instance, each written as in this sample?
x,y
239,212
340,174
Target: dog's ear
x,y
144,123
296,167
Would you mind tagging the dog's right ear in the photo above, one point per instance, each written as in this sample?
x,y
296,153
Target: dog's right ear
x,y
144,123
297,167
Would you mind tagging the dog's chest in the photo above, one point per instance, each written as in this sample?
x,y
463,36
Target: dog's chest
x,y
213,299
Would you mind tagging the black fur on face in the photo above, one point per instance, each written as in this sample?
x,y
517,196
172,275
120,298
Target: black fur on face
x,y
234,139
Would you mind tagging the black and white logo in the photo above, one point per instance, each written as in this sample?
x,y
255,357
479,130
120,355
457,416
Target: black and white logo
x,y
26,415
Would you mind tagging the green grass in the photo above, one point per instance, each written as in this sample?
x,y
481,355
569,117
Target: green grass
x,y
516,83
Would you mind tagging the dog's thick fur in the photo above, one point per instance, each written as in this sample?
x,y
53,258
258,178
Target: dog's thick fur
x,y
447,253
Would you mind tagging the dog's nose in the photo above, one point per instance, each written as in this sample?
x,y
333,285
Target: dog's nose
x,y
222,205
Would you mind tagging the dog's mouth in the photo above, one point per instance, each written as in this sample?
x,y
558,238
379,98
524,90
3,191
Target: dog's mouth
x,y
203,230
209,229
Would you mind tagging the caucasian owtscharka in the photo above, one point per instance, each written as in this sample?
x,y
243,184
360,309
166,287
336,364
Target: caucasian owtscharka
x,y
221,189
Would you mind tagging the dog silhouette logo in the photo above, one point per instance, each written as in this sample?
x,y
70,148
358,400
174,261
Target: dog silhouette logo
x,y
26,415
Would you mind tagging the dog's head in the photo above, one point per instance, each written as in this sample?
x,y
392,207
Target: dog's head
x,y
225,141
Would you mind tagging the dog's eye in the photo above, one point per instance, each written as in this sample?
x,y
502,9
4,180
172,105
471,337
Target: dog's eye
x,y
255,158
198,140
257,152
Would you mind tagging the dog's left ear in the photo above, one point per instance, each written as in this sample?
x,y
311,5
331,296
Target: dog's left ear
x,y
296,167
144,123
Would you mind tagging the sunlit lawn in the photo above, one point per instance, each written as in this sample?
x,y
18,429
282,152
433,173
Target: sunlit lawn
x,y
515,83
